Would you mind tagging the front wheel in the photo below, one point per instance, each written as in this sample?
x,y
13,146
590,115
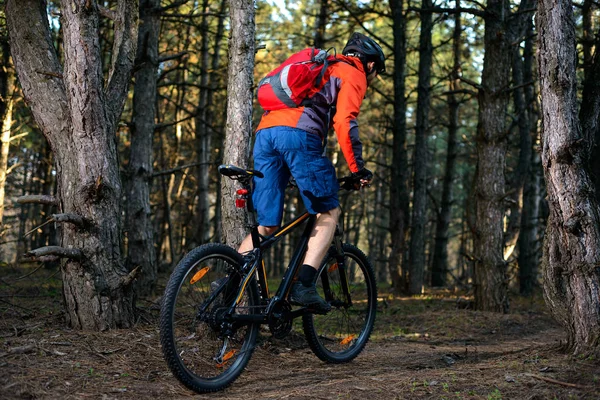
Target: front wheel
x,y
204,349
340,335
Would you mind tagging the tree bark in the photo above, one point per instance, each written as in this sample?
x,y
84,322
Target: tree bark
x,y
439,267
399,205
419,211
78,117
140,234
571,255
239,113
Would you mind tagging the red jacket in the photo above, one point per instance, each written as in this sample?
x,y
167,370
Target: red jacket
x,y
344,89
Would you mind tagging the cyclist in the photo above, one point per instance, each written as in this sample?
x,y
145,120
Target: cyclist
x,y
292,141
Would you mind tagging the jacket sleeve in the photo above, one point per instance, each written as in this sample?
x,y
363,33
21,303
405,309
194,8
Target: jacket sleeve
x,y
353,87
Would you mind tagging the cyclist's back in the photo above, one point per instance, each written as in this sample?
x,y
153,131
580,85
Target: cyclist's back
x,y
340,98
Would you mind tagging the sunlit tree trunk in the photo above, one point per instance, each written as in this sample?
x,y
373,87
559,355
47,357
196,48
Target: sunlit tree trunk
x,y
4,147
6,108
78,115
239,113
572,241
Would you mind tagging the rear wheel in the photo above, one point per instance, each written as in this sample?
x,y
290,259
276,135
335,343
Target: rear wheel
x,y
203,348
340,335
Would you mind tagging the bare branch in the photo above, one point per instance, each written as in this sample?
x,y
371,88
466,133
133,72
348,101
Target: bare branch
x,y
38,199
171,6
471,83
172,56
177,169
19,136
38,227
61,252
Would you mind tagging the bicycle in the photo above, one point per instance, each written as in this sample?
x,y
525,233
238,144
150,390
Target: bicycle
x,y
216,299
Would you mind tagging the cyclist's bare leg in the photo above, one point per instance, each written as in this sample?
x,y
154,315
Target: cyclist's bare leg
x,y
247,242
321,237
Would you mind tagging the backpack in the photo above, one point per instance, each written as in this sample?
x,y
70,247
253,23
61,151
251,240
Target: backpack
x,y
294,82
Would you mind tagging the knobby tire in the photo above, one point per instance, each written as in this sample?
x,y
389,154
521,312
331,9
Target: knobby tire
x,y
190,343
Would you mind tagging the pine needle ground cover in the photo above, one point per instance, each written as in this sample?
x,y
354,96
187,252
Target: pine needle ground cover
x,y
426,347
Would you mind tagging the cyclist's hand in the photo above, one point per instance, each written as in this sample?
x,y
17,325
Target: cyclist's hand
x,y
363,176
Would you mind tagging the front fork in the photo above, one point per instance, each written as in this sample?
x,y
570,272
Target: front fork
x,y
341,268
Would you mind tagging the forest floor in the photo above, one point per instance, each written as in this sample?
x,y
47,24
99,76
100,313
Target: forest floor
x,y
421,348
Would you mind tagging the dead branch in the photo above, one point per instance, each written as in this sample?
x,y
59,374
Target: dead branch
x,y
29,348
74,219
38,199
550,380
61,252
130,277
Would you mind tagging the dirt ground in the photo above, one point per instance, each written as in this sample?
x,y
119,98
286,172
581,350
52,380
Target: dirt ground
x,y
421,348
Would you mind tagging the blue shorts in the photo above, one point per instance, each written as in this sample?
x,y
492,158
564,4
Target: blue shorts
x,y
282,151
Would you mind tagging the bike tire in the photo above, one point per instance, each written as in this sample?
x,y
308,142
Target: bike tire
x,y
341,335
192,341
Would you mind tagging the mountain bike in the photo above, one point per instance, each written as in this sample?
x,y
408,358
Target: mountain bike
x,y
216,299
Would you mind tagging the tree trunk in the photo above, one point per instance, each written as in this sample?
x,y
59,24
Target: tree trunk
x,y
140,234
419,211
6,109
523,170
5,145
571,255
78,117
399,205
321,24
491,281
239,113
528,236
204,121
439,268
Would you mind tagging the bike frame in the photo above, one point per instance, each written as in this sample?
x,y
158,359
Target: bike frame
x,y
254,259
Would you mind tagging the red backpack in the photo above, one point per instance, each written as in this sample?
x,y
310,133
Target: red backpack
x,y
294,82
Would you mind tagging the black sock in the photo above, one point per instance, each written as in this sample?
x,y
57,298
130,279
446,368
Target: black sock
x,y
307,275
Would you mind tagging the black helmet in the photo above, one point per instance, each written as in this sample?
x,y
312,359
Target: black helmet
x,y
367,49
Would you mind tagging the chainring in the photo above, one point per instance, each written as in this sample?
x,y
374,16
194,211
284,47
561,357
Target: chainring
x,y
280,323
